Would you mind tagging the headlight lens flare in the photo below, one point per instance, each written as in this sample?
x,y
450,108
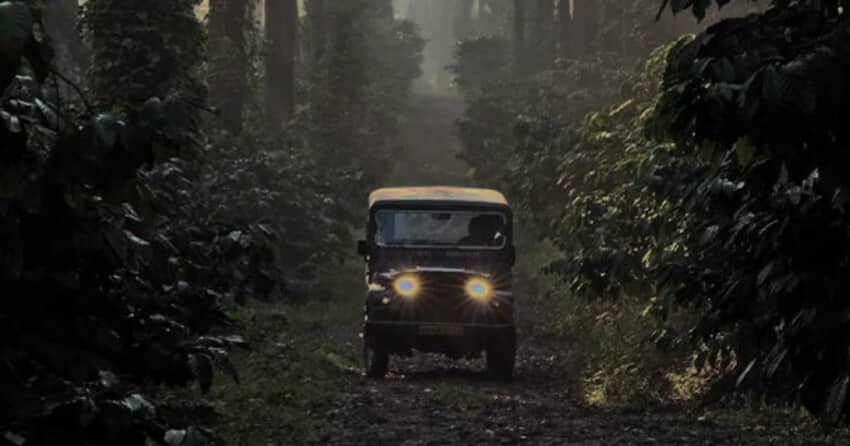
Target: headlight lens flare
x,y
479,289
407,286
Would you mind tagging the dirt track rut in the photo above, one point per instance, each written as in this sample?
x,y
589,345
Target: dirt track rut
x,y
430,400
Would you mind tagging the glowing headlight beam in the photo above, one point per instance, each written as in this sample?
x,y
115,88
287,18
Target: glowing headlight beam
x,y
479,289
407,285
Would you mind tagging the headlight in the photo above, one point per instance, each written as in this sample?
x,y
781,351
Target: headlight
x,y
407,285
479,289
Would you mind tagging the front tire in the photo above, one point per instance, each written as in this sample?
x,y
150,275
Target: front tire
x,y
501,357
375,361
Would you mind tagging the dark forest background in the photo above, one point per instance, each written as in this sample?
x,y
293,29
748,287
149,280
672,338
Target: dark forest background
x,y
677,166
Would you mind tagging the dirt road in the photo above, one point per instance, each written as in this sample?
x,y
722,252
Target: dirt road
x,y
429,144
430,400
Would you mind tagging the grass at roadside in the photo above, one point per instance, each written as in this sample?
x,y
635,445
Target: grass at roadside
x,y
294,371
613,363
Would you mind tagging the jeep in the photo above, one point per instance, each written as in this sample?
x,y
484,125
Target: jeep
x,y
439,276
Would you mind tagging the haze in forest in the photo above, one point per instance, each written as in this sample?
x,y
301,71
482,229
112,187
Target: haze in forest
x,y
360,222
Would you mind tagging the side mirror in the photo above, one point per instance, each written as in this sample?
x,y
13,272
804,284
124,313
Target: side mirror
x,y
362,248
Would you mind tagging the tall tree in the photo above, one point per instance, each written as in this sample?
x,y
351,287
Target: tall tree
x,y
61,19
228,59
585,26
281,33
316,12
543,33
364,62
519,36
565,23
463,22
493,17
144,48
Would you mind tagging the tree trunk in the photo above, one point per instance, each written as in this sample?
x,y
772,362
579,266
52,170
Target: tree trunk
x,y
544,33
519,37
228,61
492,15
463,21
565,24
281,34
585,26
61,18
316,11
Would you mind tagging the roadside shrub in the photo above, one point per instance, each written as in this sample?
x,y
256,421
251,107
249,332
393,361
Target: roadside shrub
x,y
99,308
756,107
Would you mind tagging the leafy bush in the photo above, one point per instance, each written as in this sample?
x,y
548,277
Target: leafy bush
x,y
97,307
590,189
756,108
126,234
357,91
497,106
605,170
734,210
144,48
481,61
266,206
567,146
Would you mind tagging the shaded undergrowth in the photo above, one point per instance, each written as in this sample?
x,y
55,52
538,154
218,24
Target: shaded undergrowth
x,y
295,370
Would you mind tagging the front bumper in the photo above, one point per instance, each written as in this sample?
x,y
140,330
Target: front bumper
x,y
448,323
441,318
435,337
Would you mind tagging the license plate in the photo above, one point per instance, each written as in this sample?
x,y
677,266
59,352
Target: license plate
x,y
440,330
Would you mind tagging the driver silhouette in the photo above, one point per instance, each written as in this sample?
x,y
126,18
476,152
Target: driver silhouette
x,y
482,231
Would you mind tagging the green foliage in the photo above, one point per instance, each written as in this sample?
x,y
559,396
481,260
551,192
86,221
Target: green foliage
x,y
358,89
701,8
612,226
613,362
144,48
733,210
481,61
295,370
756,108
589,189
500,111
268,207
16,19
567,146
99,305
230,41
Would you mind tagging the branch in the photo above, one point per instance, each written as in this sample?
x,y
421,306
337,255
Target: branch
x,y
76,88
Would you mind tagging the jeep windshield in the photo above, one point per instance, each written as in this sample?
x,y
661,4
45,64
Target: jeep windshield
x,y
440,229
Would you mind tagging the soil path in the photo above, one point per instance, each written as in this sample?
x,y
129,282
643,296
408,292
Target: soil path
x,y
430,400
430,147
